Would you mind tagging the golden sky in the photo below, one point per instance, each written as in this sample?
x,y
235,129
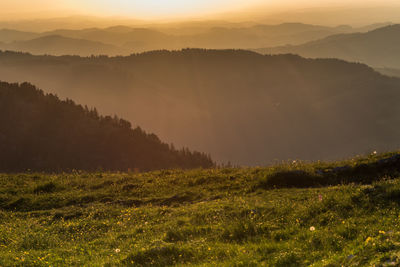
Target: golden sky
x,y
150,9
128,8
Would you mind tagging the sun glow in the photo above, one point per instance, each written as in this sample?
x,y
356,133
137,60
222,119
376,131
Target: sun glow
x,y
161,8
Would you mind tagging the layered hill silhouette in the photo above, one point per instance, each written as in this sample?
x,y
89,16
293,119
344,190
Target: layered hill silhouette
x,y
253,36
39,132
9,36
378,48
237,105
59,45
123,40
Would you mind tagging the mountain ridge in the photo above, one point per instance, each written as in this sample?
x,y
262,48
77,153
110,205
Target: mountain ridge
x,y
378,48
237,105
60,45
126,40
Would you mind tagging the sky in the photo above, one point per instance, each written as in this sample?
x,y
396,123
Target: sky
x,y
159,9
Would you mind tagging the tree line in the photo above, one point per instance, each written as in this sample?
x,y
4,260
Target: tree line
x,y
40,132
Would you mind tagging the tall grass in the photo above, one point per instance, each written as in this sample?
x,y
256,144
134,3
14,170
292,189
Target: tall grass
x,y
277,216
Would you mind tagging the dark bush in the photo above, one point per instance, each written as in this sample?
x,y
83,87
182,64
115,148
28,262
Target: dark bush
x,y
49,187
19,204
287,179
365,173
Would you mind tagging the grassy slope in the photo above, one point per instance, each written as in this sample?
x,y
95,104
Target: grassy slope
x,y
225,217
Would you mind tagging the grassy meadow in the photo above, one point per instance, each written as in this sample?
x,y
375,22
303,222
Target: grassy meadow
x,y
291,214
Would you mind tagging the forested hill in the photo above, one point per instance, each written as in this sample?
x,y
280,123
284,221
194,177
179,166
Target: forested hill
x,y
237,105
42,133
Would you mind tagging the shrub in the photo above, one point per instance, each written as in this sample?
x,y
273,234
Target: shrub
x,y
49,187
361,173
285,179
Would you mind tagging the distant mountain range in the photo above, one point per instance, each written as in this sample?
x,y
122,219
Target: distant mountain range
x,y
239,106
379,48
59,45
123,40
8,36
39,132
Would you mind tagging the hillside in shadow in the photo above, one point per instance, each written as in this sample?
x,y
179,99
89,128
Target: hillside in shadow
x,y
239,106
39,132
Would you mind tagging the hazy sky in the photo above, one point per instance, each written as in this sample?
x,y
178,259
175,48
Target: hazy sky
x,y
151,9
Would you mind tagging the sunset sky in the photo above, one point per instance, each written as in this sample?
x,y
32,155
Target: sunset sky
x,y
158,9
